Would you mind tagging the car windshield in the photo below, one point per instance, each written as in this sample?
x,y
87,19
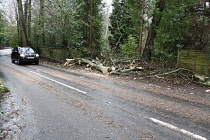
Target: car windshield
x,y
26,50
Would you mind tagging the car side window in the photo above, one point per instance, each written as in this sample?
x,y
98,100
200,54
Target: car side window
x,y
19,49
15,49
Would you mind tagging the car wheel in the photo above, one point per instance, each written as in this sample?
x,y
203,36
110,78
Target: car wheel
x,y
19,62
37,63
13,61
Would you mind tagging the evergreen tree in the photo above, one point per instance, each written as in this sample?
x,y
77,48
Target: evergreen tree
x,y
73,24
121,25
2,25
91,16
175,30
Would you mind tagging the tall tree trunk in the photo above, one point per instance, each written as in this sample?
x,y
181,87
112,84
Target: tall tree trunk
x,y
29,21
91,28
27,14
155,23
140,45
22,24
152,31
18,25
25,11
41,22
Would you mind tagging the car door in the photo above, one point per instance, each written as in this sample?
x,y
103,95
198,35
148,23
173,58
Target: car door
x,y
15,53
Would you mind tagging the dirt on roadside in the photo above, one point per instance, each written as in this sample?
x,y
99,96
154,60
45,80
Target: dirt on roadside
x,y
170,94
170,85
174,82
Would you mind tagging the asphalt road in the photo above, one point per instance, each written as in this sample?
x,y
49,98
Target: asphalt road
x,y
51,104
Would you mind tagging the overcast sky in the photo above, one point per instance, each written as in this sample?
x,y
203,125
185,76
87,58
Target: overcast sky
x,y
8,7
108,1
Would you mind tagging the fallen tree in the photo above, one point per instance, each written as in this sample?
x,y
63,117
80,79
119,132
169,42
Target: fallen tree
x,y
93,64
186,75
203,79
118,72
178,76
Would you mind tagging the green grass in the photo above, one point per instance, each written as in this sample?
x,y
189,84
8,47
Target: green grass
x,y
3,90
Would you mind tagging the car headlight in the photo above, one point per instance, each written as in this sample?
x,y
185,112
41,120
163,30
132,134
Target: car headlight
x,y
22,55
37,55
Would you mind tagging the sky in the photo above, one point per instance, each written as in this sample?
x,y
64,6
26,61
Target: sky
x,y
207,4
108,1
8,6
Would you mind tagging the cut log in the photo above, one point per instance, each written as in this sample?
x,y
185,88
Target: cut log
x,y
131,69
207,83
112,69
126,70
201,78
69,62
89,63
101,68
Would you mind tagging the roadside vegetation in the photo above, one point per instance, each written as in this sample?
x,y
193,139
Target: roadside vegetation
x,y
164,36
3,90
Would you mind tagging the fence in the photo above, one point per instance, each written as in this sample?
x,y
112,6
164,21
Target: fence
x,y
197,60
59,54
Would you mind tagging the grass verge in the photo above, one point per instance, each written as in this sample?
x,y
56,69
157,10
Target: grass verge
x,y
3,90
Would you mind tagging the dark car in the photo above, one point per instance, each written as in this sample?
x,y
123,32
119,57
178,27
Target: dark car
x,y
24,54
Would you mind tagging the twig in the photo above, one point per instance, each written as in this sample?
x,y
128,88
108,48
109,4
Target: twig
x,y
173,72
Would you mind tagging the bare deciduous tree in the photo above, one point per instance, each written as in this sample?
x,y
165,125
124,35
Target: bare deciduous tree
x,y
22,25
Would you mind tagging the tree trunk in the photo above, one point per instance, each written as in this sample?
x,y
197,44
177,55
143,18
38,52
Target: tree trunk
x,y
22,24
91,28
29,22
98,67
41,22
118,72
27,16
155,23
140,45
18,25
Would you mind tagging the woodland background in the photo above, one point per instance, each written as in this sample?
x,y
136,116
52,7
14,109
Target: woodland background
x,y
151,31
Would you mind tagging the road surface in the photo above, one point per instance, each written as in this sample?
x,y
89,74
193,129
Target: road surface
x,y
46,103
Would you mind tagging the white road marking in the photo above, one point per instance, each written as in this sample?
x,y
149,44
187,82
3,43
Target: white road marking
x,y
177,129
59,82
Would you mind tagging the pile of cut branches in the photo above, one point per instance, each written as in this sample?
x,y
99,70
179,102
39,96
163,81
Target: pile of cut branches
x,y
96,64
185,75
180,76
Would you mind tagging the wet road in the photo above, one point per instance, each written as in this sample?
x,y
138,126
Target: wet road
x,y
50,104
